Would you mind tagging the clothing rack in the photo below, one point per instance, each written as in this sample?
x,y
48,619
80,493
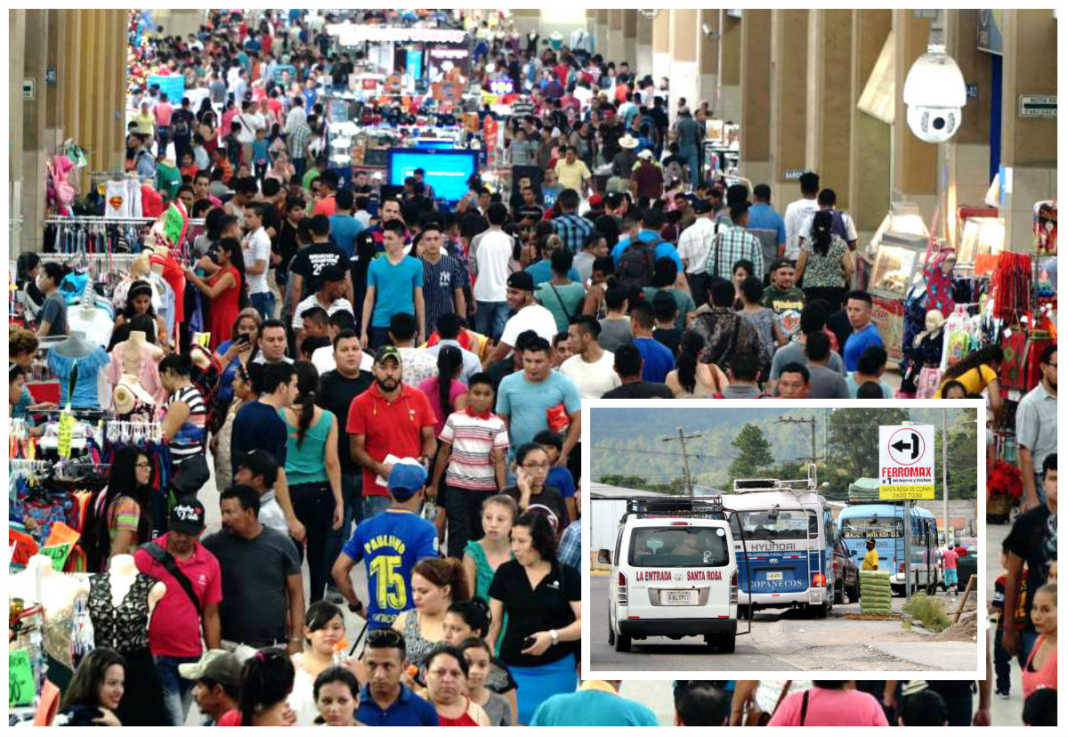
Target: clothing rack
x,y
125,432
21,466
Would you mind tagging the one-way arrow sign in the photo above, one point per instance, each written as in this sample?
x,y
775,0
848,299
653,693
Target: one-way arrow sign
x,y
906,462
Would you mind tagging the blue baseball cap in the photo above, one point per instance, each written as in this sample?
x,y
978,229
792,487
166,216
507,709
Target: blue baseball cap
x,y
405,480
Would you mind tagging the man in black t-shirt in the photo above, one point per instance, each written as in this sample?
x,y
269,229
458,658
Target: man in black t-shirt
x,y
307,266
337,389
1033,540
628,364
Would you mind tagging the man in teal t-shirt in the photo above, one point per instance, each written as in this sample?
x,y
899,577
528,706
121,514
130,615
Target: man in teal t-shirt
x,y
594,704
394,285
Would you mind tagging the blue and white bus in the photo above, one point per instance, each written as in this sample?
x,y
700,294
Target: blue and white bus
x,y
884,522
784,538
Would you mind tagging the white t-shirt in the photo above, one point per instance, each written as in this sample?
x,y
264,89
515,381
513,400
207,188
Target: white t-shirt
x,y
323,360
313,301
592,379
532,317
796,213
491,265
695,243
847,223
257,248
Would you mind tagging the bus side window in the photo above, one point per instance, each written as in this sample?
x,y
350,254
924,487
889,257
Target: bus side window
x,y
813,526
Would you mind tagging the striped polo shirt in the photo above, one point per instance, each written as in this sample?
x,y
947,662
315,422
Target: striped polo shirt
x,y
473,438
189,440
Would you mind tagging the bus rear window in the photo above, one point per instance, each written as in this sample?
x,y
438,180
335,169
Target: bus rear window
x,y
865,527
678,547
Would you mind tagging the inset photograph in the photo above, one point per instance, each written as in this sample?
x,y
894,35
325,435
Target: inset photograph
x,y
759,536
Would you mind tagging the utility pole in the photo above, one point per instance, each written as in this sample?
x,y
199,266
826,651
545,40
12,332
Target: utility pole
x,y
945,478
682,438
810,421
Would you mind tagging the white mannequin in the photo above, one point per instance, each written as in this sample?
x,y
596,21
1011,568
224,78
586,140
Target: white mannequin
x,y
41,583
123,572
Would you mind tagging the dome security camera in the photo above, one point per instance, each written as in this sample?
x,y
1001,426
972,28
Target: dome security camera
x,y
935,95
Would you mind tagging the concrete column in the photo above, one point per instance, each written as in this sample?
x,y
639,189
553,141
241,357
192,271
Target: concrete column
x,y
964,172
828,91
98,158
34,112
868,192
601,34
682,47
661,66
708,58
730,57
630,37
68,73
614,40
789,73
16,42
643,53
915,173
755,75
1028,145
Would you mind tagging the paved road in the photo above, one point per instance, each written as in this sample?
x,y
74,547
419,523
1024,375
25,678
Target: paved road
x,y
781,640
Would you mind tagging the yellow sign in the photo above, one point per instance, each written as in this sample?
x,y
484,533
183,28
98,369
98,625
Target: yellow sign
x,y
914,491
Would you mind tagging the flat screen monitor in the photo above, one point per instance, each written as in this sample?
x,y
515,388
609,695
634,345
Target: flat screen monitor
x,y
447,171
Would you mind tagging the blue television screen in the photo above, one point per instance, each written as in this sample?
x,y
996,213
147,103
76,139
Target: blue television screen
x,y
435,144
447,171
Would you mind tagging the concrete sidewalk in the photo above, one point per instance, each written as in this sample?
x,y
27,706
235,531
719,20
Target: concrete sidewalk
x,y
948,656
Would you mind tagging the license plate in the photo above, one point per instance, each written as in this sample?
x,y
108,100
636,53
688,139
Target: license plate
x,y
773,576
678,598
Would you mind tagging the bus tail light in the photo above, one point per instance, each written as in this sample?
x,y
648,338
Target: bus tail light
x,y
819,580
734,588
622,584
901,568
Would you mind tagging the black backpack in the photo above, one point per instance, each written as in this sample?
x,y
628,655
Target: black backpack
x,y
636,265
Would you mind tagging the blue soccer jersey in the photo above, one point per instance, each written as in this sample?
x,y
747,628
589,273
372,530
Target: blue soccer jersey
x,y
390,544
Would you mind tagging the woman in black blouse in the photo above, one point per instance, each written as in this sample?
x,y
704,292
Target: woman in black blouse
x,y
543,602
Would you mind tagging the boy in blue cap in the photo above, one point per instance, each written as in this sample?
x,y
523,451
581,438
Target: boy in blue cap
x,y
390,543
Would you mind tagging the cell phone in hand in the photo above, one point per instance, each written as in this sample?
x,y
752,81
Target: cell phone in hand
x,y
529,642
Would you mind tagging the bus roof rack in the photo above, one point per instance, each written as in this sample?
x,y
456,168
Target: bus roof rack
x,y
709,507
744,485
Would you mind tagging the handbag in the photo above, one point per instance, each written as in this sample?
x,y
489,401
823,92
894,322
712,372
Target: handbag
x,y
927,382
755,717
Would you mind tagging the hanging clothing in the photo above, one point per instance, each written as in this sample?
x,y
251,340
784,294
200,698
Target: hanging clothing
x,y
95,323
939,284
117,202
87,389
124,628
146,369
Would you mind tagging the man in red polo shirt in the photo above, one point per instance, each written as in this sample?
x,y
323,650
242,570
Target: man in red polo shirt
x,y
390,418
174,632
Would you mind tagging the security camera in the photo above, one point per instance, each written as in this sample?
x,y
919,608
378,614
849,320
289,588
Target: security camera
x,y
935,95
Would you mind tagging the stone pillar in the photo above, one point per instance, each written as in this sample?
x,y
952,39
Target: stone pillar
x,y
1028,145
614,39
915,172
661,66
630,37
35,149
16,43
829,121
682,46
789,74
755,77
730,56
708,57
643,53
601,34
869,138
964,173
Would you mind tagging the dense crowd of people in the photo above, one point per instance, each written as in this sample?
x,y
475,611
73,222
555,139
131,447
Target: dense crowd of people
x,y
399,382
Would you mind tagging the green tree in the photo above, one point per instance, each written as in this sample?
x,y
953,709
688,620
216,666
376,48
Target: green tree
x,y
754,452
853,438
961,458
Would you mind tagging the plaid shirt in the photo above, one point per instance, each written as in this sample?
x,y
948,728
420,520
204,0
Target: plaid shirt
x,y
573,231
298,141
732,245
570,552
